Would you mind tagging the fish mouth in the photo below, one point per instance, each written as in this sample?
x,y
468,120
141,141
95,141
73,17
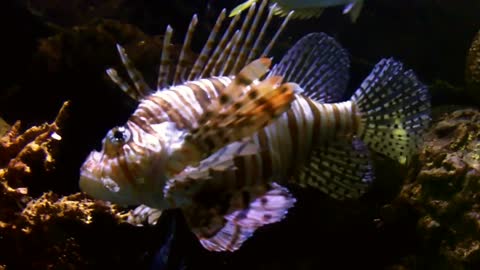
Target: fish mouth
x,y
97,181
128,170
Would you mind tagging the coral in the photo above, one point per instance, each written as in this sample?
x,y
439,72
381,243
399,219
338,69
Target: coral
x,y
46,231
23,156
472,71
446,191
4,127
33,149
52,231
41,221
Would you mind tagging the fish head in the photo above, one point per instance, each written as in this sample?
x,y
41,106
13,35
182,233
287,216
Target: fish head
x,y
129,169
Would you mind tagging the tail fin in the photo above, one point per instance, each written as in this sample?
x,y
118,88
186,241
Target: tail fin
x,y
394,109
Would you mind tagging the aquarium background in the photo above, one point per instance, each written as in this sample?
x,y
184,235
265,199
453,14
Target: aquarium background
x,y
426,216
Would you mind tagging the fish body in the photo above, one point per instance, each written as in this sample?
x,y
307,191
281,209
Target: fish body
x,y
304,9
220,146
138,158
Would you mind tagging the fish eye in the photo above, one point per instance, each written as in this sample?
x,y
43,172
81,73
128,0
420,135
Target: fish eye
x,y
119,135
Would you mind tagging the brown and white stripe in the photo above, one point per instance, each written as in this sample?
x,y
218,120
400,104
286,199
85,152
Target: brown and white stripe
x,y
284,145
287,143
223,57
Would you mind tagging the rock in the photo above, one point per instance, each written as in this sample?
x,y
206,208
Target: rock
x,y
446,192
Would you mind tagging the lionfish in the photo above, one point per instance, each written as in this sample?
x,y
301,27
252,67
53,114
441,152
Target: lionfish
x,y
221,143
306,9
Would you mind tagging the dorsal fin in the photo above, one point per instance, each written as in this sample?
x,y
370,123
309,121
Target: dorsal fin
x,y
223,57
319,65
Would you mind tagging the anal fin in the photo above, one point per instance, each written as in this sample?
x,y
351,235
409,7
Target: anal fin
x,y
341,169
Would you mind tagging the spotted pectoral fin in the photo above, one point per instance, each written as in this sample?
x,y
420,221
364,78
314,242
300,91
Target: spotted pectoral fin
x,y
219,207
341,169
245,106
240,225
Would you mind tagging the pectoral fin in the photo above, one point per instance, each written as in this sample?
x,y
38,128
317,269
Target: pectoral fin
x,y
222,211
245,106
241,224
340,169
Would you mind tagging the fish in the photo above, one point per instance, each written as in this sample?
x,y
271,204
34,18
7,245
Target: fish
x,y
306,9
137,150
222,145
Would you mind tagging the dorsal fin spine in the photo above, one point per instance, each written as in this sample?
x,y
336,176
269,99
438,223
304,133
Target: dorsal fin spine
x,y
220,63
200,62
220,47
141,86
186,45
254,50
240,62
227,58
277,34
164,69
236,45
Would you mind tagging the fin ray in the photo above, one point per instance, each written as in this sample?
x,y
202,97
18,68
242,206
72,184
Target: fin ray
x,y
394,110
319,65
339,169
240,225
217,57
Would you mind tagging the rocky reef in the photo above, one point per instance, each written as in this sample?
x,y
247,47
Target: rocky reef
x,y
444,191
472,70
51,231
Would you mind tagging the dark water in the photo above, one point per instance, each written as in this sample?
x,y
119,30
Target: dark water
x,y
46,61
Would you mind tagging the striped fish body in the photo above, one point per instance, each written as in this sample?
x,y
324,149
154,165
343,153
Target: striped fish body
x,y
284,145
165,135
218,146
129,168
181,104
317,143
